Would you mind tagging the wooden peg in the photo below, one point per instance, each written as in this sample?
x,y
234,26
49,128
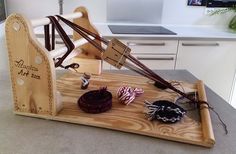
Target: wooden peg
x,y
207,128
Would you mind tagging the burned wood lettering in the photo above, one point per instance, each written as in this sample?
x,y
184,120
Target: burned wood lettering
x,y
25,70
21,64
35,76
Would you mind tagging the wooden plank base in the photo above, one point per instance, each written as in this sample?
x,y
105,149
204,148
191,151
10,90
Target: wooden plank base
x,y
129,118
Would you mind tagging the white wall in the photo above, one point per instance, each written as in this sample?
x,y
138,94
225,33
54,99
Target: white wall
x,y
41,8
3,51
96,8
33,8
177,12
174,11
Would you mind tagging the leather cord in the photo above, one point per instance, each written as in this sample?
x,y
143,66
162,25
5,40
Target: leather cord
x,y
83,34
47,37
69,44
53,37
49,45
81,29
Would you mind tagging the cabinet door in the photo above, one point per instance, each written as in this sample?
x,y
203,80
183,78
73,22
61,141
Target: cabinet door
x,y
214,62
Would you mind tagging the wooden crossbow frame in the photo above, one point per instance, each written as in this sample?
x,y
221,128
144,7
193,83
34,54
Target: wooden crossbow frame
x,y
32,64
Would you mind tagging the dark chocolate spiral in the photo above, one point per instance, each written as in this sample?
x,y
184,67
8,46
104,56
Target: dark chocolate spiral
x,y
96,101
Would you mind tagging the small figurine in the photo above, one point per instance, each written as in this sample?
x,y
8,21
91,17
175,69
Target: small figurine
x,y
85,81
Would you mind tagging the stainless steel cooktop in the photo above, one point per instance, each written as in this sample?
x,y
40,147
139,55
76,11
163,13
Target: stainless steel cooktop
x,y
149,30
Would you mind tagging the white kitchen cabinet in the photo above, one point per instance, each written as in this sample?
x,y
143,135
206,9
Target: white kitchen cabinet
x,y
214,62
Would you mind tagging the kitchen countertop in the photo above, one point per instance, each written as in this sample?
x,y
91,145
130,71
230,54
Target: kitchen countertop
x,y
184,32
19,134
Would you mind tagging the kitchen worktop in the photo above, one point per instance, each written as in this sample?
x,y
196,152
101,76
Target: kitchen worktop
x,y
183,32
19,134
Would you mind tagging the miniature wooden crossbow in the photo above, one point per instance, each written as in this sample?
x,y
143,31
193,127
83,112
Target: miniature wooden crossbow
x,y
38,93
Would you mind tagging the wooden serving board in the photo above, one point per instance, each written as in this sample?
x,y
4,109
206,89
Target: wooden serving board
x,y
131,118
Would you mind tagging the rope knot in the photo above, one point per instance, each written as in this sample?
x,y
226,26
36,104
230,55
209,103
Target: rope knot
x,y
126,94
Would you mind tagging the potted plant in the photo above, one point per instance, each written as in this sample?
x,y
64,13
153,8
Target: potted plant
x,y
232,23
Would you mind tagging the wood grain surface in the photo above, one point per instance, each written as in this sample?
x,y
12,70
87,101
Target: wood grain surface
x,y
31,67
129,118
88,50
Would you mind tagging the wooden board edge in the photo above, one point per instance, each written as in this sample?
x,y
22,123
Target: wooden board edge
x,y
207,128
75,121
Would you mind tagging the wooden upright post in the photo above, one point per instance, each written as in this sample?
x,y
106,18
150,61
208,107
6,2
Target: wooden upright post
x,y
31,68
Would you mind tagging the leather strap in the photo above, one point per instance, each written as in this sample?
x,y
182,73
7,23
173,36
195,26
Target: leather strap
x,y
69,44
78,29
53,37
158,78
81,29
49,45
47,37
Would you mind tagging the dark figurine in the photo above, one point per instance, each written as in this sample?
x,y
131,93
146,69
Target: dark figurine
x,y
85,81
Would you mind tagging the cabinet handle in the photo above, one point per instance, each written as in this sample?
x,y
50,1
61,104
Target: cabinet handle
x,y
145,44
155,58
201,44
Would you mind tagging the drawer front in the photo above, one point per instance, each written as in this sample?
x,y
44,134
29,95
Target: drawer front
x,y
152,46
156,62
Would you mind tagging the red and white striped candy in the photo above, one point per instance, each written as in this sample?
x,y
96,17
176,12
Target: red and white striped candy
x,y
126,95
